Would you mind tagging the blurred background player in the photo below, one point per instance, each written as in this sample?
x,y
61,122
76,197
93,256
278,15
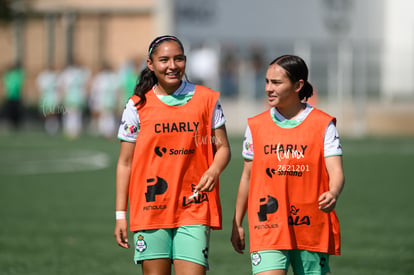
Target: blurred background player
x,y
129,76
73,83
103,100
49,99
13,81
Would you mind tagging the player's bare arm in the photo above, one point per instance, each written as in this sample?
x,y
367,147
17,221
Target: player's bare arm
x,y
221,159
327,201
122,184
237,234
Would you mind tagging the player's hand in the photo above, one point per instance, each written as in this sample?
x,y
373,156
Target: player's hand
x,y
121,233
237,238
208,181
327,201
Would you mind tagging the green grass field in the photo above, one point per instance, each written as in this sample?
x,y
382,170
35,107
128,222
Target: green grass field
x,y
57,208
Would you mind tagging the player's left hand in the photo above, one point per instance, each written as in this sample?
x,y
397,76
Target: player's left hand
x,y
327,201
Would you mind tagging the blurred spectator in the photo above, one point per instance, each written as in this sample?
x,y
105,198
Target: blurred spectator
x,y
259,70
103,101
203,66
49,100
73,83
13,80
229,72
129,75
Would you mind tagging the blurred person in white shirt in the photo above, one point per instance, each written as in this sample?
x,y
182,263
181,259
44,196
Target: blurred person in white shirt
x,y
73,83
103,100
49,99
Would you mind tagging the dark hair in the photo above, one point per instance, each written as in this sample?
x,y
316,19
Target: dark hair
x,y
296,70
147,78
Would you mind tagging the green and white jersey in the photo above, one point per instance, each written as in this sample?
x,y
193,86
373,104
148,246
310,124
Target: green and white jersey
x,y
47,83
104,91
73,81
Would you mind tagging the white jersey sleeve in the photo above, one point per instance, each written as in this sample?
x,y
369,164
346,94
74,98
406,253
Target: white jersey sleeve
x,y
247,152
128,130
333,145
218,116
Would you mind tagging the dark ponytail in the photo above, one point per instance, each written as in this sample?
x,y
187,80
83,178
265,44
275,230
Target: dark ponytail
x,y
147,78
296,70
306,92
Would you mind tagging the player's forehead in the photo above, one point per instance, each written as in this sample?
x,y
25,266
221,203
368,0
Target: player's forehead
x,y
168,48
276,72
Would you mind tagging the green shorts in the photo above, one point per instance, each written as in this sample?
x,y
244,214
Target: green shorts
x,y
303,262
189,243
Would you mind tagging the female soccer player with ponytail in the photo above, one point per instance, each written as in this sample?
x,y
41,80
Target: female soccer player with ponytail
x,y
173,148
292,178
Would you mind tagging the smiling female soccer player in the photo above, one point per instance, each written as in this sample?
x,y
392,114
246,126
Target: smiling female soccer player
x,y
291,180
173,148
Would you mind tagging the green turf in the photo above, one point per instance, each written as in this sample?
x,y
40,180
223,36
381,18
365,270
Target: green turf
x,y
57,209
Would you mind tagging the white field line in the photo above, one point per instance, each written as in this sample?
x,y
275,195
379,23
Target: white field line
x,y
54,162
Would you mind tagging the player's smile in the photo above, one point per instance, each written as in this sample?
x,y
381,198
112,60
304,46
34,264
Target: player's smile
x,y
173,75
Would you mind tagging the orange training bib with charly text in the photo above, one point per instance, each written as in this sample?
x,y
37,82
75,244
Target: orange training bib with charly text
x,y
173,149
288,176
